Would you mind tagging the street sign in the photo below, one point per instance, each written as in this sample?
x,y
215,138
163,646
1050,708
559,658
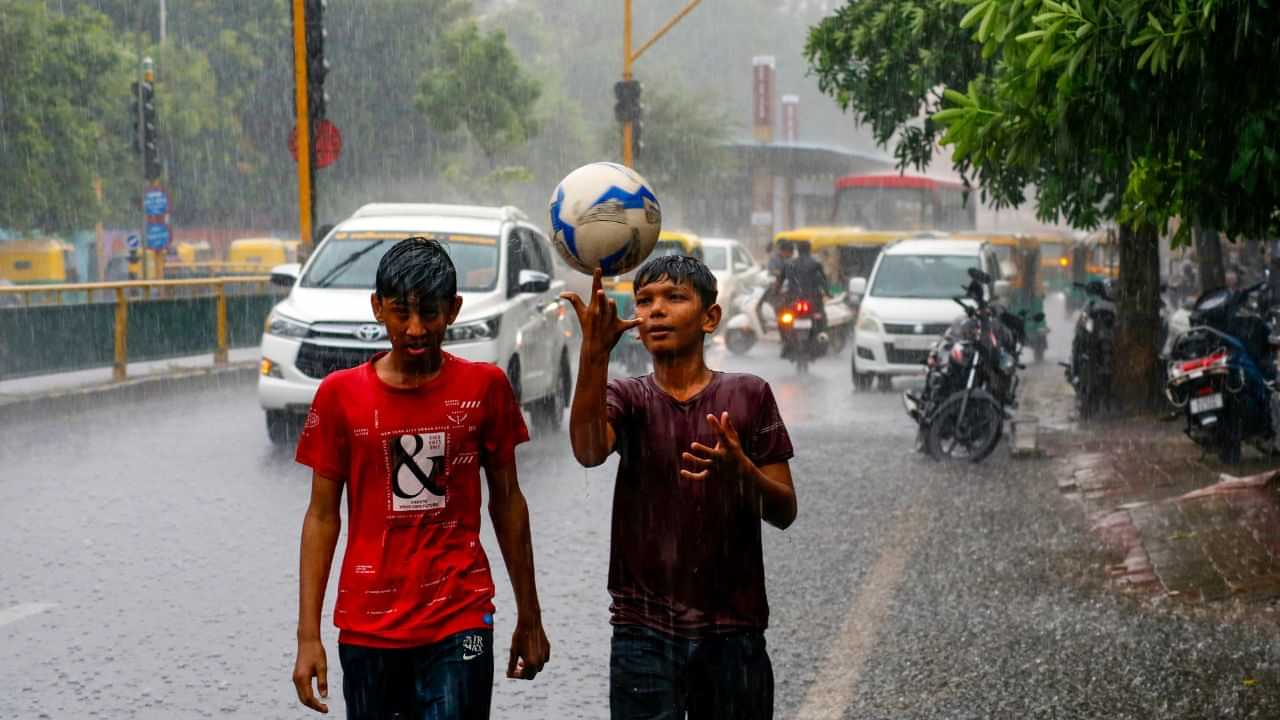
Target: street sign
x,y
133,242
157,236
328,143
155,202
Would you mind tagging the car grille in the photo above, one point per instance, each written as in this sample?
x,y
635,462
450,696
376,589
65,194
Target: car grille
x,y
317,361
909,329
906,357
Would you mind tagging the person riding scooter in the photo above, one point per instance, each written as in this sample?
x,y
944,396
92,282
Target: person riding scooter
x,y
805,279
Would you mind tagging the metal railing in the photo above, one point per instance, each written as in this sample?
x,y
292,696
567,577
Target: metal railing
x,y
142,290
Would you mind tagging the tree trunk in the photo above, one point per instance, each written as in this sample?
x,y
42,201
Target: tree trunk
x,y
1213,273
1137,379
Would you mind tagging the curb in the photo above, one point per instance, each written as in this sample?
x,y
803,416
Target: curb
x,y
68,402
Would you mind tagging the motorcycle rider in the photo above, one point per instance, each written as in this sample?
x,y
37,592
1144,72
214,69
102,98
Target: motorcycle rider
x,y
782,255
804,278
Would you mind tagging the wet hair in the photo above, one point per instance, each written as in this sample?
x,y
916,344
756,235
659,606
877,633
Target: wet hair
x,y
679,269
804,248
786,246
417,270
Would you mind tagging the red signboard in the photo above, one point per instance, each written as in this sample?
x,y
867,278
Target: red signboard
x,y
762,86
328,143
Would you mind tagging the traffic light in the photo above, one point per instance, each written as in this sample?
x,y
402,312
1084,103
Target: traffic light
x,y
627,93
145,135
317,66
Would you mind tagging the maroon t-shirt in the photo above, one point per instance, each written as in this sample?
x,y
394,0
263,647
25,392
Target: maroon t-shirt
x,y
685,556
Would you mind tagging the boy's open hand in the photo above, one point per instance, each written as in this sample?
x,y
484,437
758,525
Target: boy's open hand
x,y
726,458
601,327
530,650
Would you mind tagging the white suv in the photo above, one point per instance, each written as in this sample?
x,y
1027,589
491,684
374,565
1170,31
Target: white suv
x,y
908,303
511,313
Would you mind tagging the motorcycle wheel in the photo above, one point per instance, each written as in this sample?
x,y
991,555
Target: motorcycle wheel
x,y
739,342
970,438
1230,436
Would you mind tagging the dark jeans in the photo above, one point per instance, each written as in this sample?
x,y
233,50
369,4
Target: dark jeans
x,y
450,680
654,676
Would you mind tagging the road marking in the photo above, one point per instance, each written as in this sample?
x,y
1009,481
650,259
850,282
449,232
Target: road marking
x,y
837,681
25,610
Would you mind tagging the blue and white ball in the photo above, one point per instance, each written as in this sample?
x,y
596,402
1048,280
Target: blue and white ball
x,y
604,215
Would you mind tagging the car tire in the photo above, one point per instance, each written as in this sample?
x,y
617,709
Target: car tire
x,y
282,427
861,381
884,383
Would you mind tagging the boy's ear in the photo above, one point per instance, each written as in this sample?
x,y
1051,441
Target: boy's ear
x,y
376,303
711,319
455,308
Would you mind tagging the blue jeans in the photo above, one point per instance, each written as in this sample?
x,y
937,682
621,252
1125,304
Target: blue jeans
x,y
655,676
449,680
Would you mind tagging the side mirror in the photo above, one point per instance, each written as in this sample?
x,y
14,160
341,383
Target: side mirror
x,y
857,287
285,275
1002,289
532,281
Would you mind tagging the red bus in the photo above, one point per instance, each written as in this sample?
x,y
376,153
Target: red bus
x,y
902,202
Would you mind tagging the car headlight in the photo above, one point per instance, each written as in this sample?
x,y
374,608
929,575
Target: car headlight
x,y
869,323
283,326
486,329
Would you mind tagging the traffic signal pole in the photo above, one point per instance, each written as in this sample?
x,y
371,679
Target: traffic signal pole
x,y
303,121
628,62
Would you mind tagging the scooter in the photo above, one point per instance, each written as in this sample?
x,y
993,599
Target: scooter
x,y
752,320
1092,350
1222,374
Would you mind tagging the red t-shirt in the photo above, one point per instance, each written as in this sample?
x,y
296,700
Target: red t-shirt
x,y
414,571
685,557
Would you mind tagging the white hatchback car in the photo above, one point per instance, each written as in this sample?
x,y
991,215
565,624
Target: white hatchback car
x,y
908,303
732,265
511,313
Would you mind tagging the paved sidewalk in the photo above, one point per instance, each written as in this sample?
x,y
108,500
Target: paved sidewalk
x,y
57,383
1177,524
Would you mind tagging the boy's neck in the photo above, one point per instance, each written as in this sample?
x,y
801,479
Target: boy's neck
x,y
682,376
407,372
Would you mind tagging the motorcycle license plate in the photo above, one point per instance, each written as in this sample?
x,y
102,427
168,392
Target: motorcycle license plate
x,y
804,324
1206,403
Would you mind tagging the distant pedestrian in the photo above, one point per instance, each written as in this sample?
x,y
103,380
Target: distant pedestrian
x,y
406,434
704,457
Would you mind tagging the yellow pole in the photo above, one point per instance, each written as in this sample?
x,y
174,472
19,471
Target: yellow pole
x,y
122,337
628,156
663,30
220,355
303,124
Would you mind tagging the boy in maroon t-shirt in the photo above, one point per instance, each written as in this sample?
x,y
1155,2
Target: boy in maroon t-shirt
x,y
407,434
703,458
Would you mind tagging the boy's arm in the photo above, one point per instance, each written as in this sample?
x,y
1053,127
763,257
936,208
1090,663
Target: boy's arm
x,y
320,530
590,433
509,512
777,493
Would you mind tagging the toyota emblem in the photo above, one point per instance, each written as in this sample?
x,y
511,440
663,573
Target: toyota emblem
x,y
919,329
370,333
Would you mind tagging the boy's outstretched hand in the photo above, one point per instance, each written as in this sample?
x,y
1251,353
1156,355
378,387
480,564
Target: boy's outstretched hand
x,y
601,326
727,457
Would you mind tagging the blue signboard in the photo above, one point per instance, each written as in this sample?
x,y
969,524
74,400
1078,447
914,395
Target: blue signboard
x,y
157,236
155,202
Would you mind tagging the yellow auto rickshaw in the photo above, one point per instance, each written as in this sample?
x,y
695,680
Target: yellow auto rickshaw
x,y
258,255
845,252
37,261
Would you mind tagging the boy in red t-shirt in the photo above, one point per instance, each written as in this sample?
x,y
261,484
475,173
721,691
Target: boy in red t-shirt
x,y
703,458
407,433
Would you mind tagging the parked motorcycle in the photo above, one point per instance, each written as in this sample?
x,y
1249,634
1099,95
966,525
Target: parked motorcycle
x,y
1222,374
1092,349
971,380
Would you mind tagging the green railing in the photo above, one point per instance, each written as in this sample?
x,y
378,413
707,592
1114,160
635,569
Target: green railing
x,y
116,323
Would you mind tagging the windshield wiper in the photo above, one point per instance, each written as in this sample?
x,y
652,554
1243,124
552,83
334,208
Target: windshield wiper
x,y
346,263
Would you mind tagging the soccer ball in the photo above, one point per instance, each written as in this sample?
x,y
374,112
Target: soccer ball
x,y
604,215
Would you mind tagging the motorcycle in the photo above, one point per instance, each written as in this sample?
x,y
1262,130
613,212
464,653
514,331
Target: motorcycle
x,y
971,379
1222,374
1092,349
753,319
804,336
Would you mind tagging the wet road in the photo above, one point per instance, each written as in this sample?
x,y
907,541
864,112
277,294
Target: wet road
x,y
150,553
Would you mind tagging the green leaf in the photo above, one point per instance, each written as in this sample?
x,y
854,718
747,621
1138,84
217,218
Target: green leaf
x,y
986,23
974,13
1031,35
958,98
1076,58
1155,22
949,115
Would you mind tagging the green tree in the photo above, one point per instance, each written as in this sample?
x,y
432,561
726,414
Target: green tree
x,y
61,79
474,82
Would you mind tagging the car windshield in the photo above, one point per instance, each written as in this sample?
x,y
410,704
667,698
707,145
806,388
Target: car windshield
x,y
350,259
716,257
922,276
